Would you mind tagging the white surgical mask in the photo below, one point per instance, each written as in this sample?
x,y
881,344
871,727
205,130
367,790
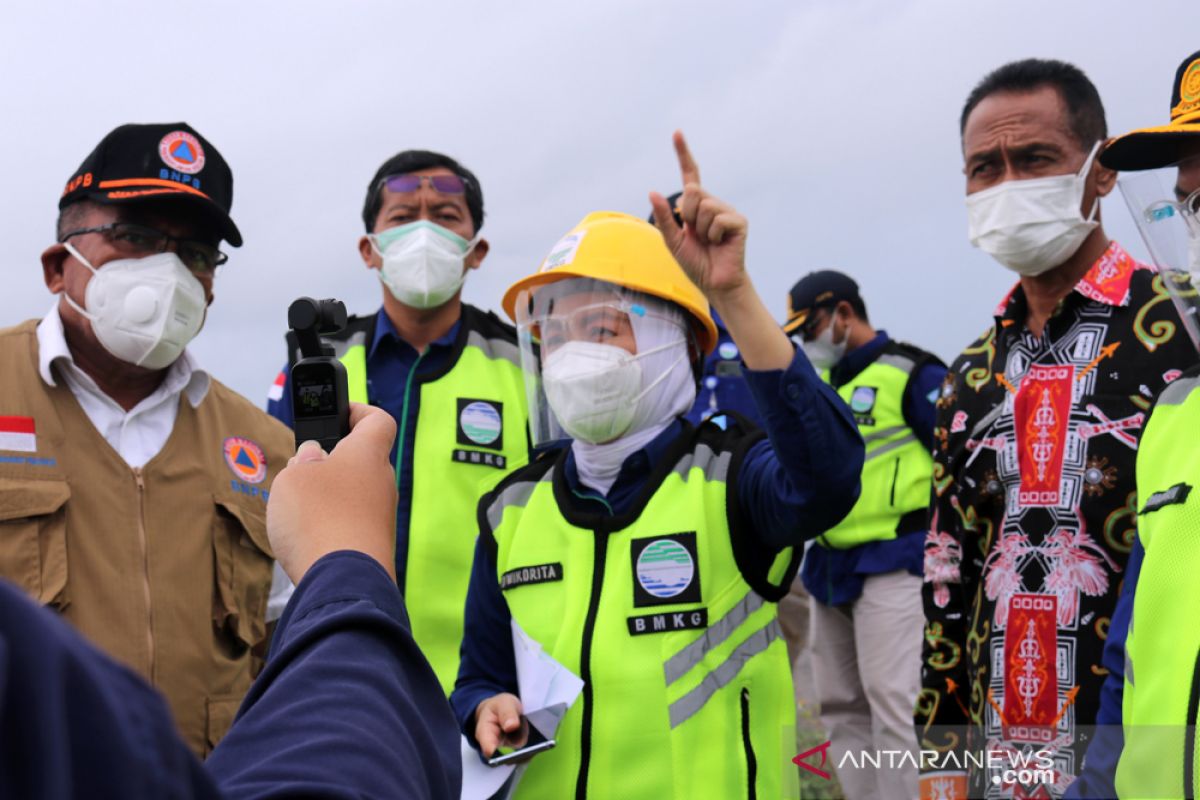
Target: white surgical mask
x,y
1035,225
422,262
143,311
822,351
594,389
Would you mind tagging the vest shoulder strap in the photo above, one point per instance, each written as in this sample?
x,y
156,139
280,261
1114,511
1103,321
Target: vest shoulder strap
x,y
1178,391
495,337
358,330
514,489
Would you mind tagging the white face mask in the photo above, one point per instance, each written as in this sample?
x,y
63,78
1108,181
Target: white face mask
x,y
593,388
422,262
1032,226
822,351
143,311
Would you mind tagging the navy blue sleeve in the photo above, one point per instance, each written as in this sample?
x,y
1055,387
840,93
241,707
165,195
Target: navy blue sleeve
x,y
1096,780
487,665
280,407
74,722
346,706
804,478
920,402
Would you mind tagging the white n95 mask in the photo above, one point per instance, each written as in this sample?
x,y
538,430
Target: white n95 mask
x,y
594,389
143,311
1032,226
822,351
422,262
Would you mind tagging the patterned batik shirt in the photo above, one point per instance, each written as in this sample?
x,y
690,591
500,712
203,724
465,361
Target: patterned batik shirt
x,y
1033,517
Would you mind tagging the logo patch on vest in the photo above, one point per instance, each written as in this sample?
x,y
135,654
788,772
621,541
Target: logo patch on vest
x,y
664,570
539,573
1176,495
18,434
862,400
481,423
475,457
666,623
245,459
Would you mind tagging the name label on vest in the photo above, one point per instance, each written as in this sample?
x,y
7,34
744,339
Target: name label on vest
x,y
480,423
539,573
1176,495
666,570
475,457
666,623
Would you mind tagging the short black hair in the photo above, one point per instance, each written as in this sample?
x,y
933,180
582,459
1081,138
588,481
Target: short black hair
x,y
414,161
1085,112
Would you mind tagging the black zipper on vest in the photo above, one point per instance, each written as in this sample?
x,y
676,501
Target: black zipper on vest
x,y
895,477
1189,733
751,762
585,662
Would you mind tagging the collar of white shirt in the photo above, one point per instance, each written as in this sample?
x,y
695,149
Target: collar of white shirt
x,y
185,375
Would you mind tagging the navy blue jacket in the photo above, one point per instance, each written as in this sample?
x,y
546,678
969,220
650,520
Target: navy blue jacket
x,y
795,484
346,707
836,577
722,385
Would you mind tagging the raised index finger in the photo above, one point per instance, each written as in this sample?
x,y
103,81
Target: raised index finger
x,y
687,165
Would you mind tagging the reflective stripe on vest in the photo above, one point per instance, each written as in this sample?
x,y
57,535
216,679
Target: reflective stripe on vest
x,y
1159,709
447,483
897,471
668,695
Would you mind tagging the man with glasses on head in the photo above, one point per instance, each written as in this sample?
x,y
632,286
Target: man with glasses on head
x,y
448,372
133,486
865,574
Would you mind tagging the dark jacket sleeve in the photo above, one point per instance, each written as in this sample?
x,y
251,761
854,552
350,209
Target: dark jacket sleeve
x,y
1096,780
73,722
487,665
346,706
804,478
919,404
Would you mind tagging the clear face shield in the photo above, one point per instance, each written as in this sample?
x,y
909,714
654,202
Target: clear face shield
x,y
1170,226
592,352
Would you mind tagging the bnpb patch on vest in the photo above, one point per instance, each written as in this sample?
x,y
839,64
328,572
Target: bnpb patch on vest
x,y
665,570
245,459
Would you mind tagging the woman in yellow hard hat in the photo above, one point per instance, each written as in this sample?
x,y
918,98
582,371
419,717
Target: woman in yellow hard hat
x,y
642,554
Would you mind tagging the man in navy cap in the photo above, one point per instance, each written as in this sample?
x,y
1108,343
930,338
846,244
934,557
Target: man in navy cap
x,y
864,575
133,486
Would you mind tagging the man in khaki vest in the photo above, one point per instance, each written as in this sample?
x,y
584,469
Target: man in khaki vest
x,y
133,486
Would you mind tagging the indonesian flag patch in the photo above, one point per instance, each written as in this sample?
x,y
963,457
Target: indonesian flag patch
x,y
18,434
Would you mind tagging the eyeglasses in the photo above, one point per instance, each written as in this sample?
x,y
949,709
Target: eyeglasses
x,y
442,184
135,241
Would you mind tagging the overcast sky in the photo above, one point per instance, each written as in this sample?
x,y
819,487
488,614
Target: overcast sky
x,y
832,125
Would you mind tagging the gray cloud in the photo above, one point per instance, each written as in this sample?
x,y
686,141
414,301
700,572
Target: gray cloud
x,y
832,125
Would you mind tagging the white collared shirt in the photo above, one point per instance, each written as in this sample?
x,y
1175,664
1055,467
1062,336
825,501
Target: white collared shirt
x,y
141,432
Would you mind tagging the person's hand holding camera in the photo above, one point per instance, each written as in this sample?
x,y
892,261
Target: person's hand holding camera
x,y
344,500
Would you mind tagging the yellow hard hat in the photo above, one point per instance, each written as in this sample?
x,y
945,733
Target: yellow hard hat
x,y
626,251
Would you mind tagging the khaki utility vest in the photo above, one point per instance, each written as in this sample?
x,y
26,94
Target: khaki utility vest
x,y
167,567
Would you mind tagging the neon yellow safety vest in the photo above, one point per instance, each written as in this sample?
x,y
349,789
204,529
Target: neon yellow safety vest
x,y
471,432
898,469
687,685
1162,648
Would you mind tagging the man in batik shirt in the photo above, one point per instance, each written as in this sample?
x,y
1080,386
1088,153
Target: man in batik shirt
x,y
1033,511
